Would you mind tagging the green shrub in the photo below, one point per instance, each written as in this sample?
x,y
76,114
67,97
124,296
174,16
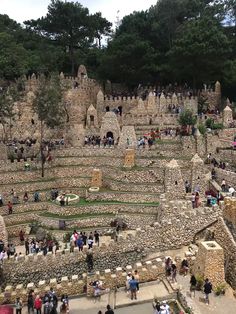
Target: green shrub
x,y
200,282
220,289
202,128
217,126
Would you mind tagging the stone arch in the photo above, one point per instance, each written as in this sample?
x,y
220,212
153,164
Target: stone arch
x,y
110,134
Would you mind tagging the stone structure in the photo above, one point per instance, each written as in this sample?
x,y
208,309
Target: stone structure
x,y
74,285
3,152
110,126
210,262
3,231
229,212
128,137
199,177
129,158
174,184
227,116
92,117
96,180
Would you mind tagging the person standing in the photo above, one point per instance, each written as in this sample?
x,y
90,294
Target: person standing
x,y
9,206
38,305
96,237
136,277
207,290
133,288
18,306
109,310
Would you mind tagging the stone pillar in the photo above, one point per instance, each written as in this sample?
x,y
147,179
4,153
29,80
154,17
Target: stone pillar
x,y
129,158
227,116
174,184
96,178
151,105
209,262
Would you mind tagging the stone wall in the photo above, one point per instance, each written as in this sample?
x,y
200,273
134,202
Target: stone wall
x,y
228,176
75,284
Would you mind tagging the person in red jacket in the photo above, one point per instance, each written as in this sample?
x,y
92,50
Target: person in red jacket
x,y
38,304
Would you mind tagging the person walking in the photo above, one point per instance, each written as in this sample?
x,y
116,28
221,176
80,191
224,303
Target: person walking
x,y
38,305
207,290
193,284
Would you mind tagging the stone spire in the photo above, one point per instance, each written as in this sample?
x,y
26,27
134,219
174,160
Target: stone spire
x,y
198,176
173,181
227,115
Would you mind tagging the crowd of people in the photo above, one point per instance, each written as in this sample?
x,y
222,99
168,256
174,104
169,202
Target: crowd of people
x,y
81,239
48,303
95,140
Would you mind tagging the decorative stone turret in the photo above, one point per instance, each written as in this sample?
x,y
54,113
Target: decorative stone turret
x,y
174,184
141,107
227,115
128,137
151,105
110,126
92,117
163,104
210,262
198,177
129,158
96,180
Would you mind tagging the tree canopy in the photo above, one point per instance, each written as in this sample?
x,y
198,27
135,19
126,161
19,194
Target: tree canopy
x,y
191,41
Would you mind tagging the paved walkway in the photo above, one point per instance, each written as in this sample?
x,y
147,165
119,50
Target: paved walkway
x,y
218,304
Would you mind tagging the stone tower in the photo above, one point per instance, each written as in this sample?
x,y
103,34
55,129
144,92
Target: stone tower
x,y
198,177
128,137
227,115
100,103
173,181
209,262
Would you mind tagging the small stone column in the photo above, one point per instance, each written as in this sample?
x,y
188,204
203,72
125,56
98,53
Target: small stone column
x,y
209,262
96,178
129,158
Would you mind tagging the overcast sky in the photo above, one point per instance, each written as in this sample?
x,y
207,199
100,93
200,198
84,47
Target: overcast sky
x,y
21,10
